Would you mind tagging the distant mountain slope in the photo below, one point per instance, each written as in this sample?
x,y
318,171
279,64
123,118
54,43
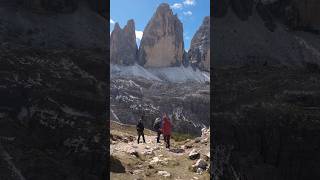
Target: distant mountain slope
x,y
250,41
170,74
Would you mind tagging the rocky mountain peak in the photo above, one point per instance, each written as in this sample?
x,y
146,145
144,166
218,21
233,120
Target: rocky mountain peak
x,y
162,42
123,47
163,7
199,53
130,25
116,28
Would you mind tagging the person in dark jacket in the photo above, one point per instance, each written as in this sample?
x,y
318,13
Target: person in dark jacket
x,y
157,127
140,129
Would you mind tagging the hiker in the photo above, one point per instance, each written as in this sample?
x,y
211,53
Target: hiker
x,y
166,129
157,127
140,129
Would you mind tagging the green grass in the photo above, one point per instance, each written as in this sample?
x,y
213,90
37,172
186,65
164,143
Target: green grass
x,y
178,137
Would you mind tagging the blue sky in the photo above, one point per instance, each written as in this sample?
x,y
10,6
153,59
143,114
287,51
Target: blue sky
x,y
190,13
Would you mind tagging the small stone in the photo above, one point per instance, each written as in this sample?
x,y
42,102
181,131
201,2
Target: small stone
x,y
138,171
207,156
200,171
197,140
148,152
133,152
201,164
204,141
164,173
177,150
194,155
155,160
125,140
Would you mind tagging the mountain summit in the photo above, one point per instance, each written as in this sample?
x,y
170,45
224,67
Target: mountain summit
x,y
123,47
162,42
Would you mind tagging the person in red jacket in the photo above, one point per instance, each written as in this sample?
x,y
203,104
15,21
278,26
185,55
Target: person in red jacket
x,y
166,129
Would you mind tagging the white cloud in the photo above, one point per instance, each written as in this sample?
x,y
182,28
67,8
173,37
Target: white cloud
x,y
176,6
112,21
139,34
189,2
187,13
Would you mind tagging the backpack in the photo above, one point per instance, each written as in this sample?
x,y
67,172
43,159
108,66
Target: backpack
x,y
157,124
140,126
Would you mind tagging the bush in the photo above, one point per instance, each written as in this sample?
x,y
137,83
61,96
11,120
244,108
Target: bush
x,y
178,137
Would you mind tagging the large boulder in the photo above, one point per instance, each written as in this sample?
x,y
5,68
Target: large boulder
x,y
162,42
199,53
123,47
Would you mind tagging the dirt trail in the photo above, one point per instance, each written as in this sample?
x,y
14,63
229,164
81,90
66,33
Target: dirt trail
x,y
152,160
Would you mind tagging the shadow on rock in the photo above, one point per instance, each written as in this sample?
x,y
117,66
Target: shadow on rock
x,y
116,165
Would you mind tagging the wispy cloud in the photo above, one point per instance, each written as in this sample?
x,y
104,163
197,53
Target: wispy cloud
x,y
189,2
112,21
176,6
187,13
139,34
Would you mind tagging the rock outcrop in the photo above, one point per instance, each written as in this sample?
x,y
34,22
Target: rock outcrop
x,y
53,24
256,36
123,47
55,101
162,42
199,53
301,14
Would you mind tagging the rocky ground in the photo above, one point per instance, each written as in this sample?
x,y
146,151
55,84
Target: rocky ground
x,y
52,114
266,122
187,159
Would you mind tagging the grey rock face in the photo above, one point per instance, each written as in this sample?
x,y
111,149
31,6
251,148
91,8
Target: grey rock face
x,y
199,53
63,6
162,42
123,47
296,14
22,26
55,101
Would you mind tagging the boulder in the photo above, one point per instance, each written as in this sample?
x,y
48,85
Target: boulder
x,y
162,42
133,152
201,164
194,154
199,170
